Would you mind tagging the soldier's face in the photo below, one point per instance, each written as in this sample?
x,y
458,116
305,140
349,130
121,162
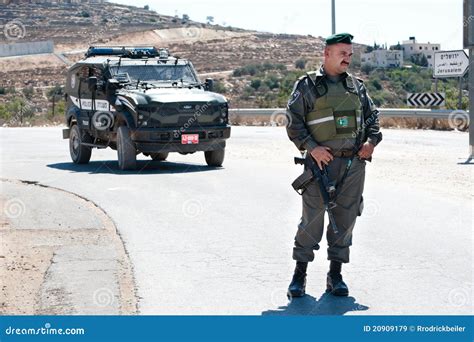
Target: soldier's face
x,y
337,57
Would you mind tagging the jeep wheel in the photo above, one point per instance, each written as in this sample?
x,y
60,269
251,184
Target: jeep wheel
x,y
215,158
159,156
79,154
126,152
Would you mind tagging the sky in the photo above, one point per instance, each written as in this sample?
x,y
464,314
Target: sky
x,y
383,21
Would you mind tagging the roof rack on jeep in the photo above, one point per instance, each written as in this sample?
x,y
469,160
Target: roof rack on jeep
x,y
127,51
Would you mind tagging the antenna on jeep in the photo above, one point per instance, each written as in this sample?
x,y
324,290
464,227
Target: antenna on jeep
x,y
120,61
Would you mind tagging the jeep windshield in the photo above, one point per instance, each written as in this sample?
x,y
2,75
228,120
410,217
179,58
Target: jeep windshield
x,y
156,73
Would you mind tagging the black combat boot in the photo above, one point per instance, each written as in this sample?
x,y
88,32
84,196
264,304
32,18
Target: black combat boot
x,y
298,283
334,283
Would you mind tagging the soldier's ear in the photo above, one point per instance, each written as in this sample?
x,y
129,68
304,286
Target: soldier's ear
x,y
326,51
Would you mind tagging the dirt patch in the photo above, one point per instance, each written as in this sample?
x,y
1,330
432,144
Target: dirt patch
x,y
28,253
19,63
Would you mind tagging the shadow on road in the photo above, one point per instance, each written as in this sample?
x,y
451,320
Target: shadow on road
x,y
143,167
327,304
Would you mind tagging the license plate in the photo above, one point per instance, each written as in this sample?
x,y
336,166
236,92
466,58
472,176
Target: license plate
x,y
190,139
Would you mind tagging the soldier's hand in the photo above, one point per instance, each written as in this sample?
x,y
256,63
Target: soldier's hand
x,y
322,155
366,150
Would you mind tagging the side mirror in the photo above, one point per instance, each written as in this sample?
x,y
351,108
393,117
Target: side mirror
x,y
92,83
209,84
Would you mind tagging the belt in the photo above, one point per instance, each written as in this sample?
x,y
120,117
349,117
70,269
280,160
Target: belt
x,y
343,154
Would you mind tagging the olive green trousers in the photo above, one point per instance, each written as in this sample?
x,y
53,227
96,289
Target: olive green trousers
x,y
349,205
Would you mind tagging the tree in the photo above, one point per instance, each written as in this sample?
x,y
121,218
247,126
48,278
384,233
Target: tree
x,y
210,19
366,68
397,47
419,59
146,7
423,61
185,18
56,91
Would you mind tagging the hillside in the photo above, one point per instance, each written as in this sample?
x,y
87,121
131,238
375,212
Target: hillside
x,y
253,69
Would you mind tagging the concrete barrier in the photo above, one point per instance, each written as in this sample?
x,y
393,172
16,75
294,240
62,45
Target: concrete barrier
x,y
27,48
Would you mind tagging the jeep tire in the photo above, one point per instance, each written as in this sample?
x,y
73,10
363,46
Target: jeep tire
x,y
80,154
215,158
126,152
159,156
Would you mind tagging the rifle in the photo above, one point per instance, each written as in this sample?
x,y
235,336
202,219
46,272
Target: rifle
x,y
327,188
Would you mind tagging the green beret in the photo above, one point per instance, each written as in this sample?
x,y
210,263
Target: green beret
x,y
345,38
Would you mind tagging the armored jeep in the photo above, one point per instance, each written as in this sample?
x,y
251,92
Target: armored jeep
x,y
142,100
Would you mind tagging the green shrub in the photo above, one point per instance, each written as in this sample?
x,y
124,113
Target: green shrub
x,y
28,92
219,87
256,83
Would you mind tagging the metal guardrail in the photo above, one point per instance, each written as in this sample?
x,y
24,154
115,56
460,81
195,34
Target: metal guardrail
x,y
384,112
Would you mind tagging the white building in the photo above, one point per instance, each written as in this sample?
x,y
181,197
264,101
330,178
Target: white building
x,y
412,47
383,58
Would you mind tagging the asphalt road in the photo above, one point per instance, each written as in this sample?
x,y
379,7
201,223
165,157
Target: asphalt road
x,y
219,241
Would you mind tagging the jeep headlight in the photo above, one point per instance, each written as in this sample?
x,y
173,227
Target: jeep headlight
x,y
224,111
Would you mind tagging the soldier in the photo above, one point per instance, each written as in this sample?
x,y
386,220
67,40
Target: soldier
x,y
329,110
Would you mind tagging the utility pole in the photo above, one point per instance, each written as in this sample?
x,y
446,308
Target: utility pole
x,y
471,103
468,33
333,10
54,100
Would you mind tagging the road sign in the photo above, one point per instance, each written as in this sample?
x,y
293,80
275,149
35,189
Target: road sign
x,y
450,63
425,99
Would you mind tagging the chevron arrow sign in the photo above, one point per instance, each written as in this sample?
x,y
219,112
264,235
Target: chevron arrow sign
x,y
425,99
